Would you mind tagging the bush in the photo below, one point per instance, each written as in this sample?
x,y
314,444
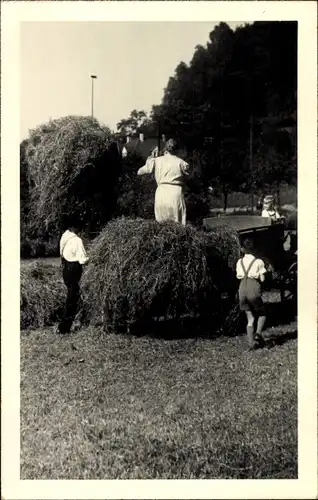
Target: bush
x,y
136,194
197,197
197,202
69,166
25,249
142,269
35,248
42,295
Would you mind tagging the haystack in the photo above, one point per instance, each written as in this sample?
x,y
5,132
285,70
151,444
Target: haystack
x,y
141,269
72,168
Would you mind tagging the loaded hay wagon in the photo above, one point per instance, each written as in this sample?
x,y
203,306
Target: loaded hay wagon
x,y
269,239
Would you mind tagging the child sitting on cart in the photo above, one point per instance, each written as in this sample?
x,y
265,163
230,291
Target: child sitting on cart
x,y
251,272
269,209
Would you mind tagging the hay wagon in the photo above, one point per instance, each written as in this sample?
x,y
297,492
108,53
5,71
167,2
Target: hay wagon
x,y
270,242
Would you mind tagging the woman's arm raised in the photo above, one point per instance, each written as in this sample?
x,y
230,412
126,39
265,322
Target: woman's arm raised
x,y
147,168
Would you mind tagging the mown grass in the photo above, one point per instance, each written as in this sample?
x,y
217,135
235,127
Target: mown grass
x,y
124,407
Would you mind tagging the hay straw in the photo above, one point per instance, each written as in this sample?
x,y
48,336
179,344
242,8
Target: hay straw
x,y
42,295
69,169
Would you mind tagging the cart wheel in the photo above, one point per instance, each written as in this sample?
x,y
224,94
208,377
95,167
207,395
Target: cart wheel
x,y
289,286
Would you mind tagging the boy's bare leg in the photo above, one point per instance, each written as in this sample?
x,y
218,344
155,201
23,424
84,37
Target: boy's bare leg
x,y
260,325
259,330
250,328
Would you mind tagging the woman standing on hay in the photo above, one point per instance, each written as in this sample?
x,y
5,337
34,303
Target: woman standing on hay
x,y
170,173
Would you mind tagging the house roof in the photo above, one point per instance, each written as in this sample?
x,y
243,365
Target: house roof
x,y
142,148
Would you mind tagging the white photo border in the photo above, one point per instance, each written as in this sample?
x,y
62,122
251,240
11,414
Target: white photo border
x,y
13,13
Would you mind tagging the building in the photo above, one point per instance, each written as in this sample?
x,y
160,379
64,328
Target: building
x,y
142,146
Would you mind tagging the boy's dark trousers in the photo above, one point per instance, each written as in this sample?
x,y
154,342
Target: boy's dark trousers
x,y
72,272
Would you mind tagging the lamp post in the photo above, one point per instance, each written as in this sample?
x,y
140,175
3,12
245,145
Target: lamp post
x,y
93,77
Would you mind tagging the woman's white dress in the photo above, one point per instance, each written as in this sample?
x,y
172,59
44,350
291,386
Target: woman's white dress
x,y
170,172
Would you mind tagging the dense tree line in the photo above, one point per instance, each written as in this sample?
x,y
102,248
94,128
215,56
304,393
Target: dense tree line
x,y
226,106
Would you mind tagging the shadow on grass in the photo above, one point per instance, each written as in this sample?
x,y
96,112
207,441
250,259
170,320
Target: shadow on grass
x,y
278,340
280,313
175,329
209,327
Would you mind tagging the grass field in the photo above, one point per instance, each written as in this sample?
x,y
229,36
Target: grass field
x,y
288,196
54,261
115,406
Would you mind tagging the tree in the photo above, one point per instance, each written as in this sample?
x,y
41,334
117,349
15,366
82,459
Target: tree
x,y
215,104
132,124
226,172
274,163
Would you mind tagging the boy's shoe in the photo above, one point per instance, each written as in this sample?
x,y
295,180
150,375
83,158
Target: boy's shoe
x,y
259,341
59,332
253,347
76,327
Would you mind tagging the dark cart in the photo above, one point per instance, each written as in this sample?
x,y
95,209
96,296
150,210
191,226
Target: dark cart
x,y
270,242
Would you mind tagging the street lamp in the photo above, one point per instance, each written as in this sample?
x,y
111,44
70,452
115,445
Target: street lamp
x,y
93,77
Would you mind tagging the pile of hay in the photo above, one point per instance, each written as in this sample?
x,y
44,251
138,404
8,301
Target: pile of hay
x,y
72,166
140,270
42,295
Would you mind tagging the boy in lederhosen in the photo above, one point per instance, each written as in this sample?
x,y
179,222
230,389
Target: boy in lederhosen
x,y
251,271
73,257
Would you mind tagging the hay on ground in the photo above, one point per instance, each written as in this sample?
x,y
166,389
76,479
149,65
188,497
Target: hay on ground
x,y
141,269
42,295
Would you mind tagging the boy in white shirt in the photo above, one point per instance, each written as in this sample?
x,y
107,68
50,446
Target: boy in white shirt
x,y
73,257
251,271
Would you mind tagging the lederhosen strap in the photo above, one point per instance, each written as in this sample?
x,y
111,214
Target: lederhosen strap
x,y
248,269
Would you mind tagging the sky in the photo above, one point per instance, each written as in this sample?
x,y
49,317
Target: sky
x,y
132,60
